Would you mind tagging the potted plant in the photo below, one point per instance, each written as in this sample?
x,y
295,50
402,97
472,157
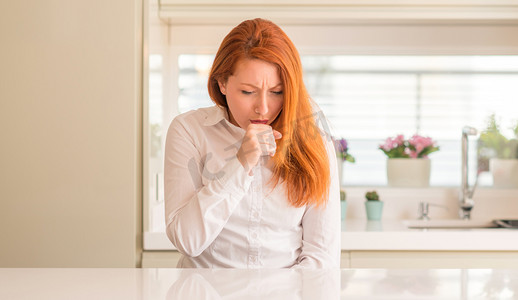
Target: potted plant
x,y
407,160
499,154
373,206
342,155
343,203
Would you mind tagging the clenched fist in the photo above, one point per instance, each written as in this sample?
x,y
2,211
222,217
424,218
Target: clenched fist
x,y
259,140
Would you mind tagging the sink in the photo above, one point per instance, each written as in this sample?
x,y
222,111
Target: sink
x,y
449,223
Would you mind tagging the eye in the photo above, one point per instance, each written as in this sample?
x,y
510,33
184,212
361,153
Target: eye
x,y
277,92
246,92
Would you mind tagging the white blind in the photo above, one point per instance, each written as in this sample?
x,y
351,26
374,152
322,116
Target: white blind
x,y
369,98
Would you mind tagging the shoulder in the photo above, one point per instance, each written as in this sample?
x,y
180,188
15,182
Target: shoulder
x,y
194,119
186,126
197,116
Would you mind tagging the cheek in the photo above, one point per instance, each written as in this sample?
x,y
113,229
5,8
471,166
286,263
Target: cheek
x,y
276,107
239,109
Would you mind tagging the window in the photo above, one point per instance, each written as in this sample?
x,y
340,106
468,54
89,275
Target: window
x,y
372,81
369,98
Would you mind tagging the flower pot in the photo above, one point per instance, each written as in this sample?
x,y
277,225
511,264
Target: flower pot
x,y
408,172
343,209
374,210
505,172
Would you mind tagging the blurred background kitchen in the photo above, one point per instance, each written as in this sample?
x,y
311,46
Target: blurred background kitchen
x,y
88,88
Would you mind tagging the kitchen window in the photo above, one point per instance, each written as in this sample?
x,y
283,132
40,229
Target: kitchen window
x,y
372,80
368,98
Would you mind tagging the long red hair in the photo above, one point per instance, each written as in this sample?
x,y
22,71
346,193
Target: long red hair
x,y
301,160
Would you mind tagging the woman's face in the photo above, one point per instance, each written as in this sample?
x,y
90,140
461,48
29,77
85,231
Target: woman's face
x,y
254,93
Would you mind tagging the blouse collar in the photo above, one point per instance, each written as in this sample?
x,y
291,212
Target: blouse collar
x,y
217,114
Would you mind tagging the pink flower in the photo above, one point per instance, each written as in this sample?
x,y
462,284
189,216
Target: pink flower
x,y
399,140
391,143
415,147
387,145
412,154
420,142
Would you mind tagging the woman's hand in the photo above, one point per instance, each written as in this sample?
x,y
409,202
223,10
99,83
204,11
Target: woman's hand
x,y
259,140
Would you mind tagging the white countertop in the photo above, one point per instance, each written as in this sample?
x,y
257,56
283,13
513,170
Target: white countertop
x,y
285,284
394,235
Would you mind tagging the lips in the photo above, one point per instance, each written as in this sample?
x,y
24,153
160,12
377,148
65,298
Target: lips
x,y
259,121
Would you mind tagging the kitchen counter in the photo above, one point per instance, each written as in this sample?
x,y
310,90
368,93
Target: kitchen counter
x,y
258,284
394,235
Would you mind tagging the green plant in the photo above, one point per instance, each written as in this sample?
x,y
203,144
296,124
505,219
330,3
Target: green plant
x,y
343,195
493,144
372,196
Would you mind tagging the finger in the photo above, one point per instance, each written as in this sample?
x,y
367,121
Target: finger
x,y
272,152
268,145
268,148
272,147
267,139
266,136
264,129
277,134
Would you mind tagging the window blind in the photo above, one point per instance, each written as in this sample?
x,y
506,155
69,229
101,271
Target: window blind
x,y
369,98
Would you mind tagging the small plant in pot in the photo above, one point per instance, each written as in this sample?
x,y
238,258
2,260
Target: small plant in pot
x,y
373,206
372,196
499,154
493,144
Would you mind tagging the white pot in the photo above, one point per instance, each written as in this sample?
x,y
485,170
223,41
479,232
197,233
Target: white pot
x,y
340,164
505,172
408,172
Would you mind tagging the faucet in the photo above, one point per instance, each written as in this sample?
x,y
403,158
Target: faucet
x,y
424,208
466,193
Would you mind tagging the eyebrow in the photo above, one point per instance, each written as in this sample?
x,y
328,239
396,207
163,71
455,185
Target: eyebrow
x,y
249,84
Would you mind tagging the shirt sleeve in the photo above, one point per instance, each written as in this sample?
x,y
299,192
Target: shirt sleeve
x,y
322,225
195,213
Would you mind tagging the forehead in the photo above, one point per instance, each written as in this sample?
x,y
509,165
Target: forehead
x,y
255,71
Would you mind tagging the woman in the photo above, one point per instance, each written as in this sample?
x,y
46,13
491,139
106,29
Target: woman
x,y
252,182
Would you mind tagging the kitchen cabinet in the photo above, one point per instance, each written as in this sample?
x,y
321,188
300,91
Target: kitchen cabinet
x,y
390,244
432,259
160,259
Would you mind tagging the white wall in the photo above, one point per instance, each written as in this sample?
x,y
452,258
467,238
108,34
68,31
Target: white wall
x,y
70,129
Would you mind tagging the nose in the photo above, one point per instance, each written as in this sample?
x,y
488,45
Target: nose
x,y
261,107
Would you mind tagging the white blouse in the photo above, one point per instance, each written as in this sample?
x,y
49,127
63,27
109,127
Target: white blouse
x,y
219,216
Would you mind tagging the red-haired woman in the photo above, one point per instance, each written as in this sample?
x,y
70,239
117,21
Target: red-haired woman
x,y
252,181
